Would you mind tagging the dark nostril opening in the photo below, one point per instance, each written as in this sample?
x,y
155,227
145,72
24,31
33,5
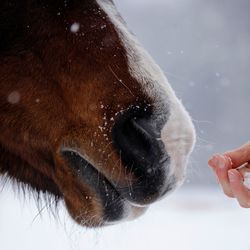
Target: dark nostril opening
x,y
135,136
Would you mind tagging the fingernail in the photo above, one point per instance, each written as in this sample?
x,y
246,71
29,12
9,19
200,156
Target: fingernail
x,y
229,160
220,161
212,162
232,176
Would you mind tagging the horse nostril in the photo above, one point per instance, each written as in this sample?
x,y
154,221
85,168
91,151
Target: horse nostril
x,y
135,136
135,139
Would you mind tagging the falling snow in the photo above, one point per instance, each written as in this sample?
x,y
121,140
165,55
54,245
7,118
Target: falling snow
x,y
74,28
191,84
14,97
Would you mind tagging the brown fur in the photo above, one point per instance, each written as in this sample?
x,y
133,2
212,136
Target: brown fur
x,y
67,84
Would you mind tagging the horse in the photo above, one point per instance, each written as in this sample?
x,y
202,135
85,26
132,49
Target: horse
x,y
86,115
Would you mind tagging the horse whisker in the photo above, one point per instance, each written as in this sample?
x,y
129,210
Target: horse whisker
x,y
119,80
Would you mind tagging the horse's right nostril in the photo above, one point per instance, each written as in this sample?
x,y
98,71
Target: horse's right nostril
x,y
135,136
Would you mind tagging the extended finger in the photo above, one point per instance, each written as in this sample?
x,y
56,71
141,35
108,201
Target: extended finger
x,y
220,164
240,155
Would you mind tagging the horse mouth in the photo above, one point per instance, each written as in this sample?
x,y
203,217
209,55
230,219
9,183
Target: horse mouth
x,y
112,202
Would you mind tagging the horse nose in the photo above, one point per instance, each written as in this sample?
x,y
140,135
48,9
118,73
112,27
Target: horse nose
x,y
136,136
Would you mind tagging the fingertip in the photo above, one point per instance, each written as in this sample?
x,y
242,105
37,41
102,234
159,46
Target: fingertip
x,y
220,161
214,158
211,161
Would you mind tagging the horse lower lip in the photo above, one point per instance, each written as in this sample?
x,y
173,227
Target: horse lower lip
x,y
113,203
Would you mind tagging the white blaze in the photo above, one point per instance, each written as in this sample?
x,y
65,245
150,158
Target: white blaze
x,y
178,134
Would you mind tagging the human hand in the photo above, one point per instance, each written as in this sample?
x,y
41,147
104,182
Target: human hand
x,y
233,172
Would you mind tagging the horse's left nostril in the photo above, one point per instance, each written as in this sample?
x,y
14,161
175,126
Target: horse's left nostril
x,y
136,137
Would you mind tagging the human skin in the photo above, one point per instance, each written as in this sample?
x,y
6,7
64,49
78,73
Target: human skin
x,y
230,168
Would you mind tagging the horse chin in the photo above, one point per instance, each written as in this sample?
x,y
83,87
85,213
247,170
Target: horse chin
x,y
98,203
94,216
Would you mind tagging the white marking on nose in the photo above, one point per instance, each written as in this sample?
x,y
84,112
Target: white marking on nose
x,y
178,136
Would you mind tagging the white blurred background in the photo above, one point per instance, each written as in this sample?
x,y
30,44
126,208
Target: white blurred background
x,y
204,48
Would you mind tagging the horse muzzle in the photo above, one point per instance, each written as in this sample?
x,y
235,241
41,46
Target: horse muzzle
x,y
139,138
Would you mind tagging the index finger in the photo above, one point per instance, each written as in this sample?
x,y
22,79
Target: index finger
x,y
240,155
